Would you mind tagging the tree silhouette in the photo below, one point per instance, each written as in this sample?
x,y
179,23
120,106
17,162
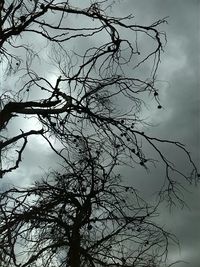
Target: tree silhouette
x,y
82,216
78,72
89,81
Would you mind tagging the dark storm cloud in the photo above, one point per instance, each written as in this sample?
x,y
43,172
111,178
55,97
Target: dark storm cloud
x,y
179,120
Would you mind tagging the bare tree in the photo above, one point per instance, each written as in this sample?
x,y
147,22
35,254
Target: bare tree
x,y
81,216
90,80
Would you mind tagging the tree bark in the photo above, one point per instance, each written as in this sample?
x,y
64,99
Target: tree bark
x,y
74,251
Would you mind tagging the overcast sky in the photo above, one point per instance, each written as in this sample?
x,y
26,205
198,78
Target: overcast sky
x,y
181,100
179,89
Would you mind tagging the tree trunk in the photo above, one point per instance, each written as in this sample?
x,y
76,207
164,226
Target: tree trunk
x,y
74,251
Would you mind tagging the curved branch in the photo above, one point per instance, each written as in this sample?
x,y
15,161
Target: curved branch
x,y
17,137
11,141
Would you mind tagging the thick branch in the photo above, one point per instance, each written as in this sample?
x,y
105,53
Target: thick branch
x,y
27,108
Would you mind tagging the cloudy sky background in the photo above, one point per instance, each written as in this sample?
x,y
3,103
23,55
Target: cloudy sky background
x,y
178,80
180,97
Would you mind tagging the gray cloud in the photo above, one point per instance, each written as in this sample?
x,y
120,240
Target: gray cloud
x,y
179,71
